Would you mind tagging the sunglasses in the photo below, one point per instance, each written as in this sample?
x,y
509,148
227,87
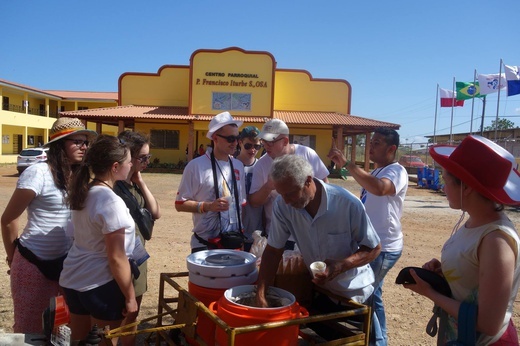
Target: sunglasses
x,y
78,142
271,143
144,158
229,139
248,146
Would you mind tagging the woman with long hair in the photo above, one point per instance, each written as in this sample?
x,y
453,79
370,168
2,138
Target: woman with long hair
x,y
480,261
97,274
35,256
134,191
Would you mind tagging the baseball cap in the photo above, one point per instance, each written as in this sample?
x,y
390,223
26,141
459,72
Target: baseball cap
x,y
272,129
220,120
249,132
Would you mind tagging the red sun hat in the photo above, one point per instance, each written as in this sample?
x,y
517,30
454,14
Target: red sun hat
x,y
483,165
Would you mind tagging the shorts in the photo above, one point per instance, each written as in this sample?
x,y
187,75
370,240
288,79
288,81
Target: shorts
x,y
105,302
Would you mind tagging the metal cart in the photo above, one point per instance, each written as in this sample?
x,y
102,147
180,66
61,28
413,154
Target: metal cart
x,y
181,308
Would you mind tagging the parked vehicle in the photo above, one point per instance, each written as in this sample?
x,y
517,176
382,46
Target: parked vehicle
x,y
29,157
411,161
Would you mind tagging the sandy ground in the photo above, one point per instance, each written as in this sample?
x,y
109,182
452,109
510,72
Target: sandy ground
x,y
427,221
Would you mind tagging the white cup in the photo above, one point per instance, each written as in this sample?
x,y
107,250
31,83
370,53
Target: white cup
x,y
318,267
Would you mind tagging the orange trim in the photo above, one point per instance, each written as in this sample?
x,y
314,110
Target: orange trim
x,y
66,131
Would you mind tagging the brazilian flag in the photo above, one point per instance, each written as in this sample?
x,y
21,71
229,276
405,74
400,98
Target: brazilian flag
x,y
466,91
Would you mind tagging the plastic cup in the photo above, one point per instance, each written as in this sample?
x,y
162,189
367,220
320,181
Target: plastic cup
x,y
318,267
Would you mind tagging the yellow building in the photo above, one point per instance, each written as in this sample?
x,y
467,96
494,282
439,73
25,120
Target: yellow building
x,y
176,104
28,113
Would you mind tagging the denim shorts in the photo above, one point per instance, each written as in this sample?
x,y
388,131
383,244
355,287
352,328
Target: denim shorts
x,y
105,302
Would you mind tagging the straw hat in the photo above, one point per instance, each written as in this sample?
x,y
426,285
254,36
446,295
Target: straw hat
x,y
220,120
482,165
64,127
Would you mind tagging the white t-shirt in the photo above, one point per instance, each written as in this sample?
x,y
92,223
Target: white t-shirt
x,y
47,214
197,184
385,211
263,168
86,266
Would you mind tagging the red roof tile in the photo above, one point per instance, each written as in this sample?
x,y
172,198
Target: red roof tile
x,y
85,95
181,113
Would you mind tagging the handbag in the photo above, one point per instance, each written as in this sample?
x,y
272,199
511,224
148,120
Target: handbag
x,y
51,269
142,216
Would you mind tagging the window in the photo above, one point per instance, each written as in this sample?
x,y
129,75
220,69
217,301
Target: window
x,y
164,139
307,140
82,108
5,103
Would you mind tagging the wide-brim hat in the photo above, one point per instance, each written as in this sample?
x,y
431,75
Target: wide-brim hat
x,y
64,127
272,129
483,165
220,120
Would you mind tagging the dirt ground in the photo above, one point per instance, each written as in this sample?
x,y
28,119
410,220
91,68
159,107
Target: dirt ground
x,y
427,223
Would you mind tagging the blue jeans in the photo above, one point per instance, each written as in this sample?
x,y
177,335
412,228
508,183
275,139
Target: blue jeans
x,y
381,265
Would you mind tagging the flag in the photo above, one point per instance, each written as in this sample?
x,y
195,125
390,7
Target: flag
x,y
489,83
448,99
467,91
513,80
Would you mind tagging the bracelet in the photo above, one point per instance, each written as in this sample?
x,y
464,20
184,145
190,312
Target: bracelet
x,y
198,207
202,207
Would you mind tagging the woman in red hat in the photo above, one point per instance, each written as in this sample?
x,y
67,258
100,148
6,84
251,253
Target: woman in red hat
x,y
480,260
35,257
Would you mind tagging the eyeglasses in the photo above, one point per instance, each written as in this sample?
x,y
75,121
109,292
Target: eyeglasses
x,y
270,143
144,158
78,142
248,146
229,139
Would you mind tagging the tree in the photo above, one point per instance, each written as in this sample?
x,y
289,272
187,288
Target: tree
x,y
501,124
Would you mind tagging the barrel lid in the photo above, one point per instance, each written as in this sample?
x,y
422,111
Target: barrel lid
x,y
225,259
221,263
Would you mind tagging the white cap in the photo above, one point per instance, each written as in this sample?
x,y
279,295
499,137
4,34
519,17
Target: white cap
x,y
272,129
220,120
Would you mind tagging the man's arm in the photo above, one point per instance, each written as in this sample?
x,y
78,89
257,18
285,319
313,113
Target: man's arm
x,y
373,184
362,256
268,268
258,198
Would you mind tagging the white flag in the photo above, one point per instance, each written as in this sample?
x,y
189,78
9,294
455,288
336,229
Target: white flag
x,y
489,83
513,79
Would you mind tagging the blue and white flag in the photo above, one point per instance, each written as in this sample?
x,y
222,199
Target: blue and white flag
x,y
489,83
513,79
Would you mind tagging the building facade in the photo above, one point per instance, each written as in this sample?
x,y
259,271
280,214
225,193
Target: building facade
x,y
175,105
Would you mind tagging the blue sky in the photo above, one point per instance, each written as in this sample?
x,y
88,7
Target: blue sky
x,y
393,53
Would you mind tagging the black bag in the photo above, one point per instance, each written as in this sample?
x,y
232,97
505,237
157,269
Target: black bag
x,y
231,240
51,269
142,216
145,223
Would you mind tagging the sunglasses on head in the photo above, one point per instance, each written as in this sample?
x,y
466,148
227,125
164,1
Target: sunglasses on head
x,y
229,139
248,146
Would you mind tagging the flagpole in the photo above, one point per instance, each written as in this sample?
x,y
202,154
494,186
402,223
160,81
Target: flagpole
x,y
453,100
435,119
498,99
473,101
483,113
